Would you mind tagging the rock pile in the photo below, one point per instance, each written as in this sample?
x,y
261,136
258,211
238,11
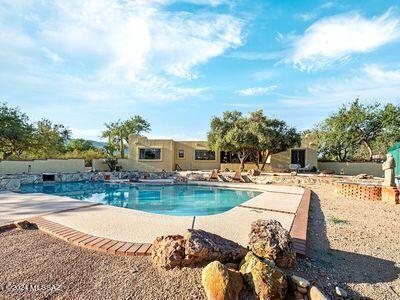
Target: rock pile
x,y
261,269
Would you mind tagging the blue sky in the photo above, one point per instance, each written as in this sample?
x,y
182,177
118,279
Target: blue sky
x,y
178,63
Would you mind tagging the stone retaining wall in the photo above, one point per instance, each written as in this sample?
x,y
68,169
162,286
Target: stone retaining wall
x,y
14,181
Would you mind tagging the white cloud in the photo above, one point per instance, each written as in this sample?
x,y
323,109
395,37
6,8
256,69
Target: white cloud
x,y
92,134
256,91
371,83
335,38
138,47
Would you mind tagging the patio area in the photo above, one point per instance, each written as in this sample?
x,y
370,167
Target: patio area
x,y
133,226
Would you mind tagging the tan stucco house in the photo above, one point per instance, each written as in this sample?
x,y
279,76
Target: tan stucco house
x,y
165,154
169,155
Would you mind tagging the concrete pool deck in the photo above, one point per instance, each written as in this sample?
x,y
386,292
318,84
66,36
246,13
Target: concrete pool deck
x,y
15,206
126,225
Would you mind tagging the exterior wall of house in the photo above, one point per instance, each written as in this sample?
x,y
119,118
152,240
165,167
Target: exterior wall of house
x,y
166,161
38,166
280,161
169,155
188,162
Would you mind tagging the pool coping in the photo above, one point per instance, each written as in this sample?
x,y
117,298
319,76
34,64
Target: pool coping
x,y
298,230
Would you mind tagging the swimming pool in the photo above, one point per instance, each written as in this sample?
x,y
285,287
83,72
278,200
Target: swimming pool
x,y
178,200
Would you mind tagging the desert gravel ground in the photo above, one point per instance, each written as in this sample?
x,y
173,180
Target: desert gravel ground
x,y
352,244
33,257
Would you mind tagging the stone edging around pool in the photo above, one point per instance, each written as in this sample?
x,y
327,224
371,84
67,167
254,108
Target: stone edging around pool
x,y
298,233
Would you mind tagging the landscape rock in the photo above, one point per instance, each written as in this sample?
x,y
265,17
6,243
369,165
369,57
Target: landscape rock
x,y
168,251
298,295
10,184
316,294
300,281
341,292
232,266
328,172
363,176
220,282
180,179
268,239
302,290
202,246
263,277
22,224
254,172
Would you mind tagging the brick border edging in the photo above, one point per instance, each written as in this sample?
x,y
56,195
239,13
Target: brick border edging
x,y
7,226
299,228
91,242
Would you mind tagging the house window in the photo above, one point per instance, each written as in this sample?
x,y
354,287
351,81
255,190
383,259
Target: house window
x,y
150,153
181,153
204,155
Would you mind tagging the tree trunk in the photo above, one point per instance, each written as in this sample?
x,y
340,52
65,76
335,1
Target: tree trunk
x,y
121,145
369,150
265,160
256,159
242,157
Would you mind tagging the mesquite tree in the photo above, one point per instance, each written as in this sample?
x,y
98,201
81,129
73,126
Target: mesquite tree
x,y
255,135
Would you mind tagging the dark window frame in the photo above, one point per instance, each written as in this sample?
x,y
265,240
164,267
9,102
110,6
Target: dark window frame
x,y
204,158
145,156
181,153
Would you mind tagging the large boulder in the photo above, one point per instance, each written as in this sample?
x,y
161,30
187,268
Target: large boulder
x,y
316,294
194,248
168,251
202,246
263,277
268,239
221,283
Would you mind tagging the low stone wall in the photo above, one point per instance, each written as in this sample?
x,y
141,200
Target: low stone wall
x,y
359,191
14,181
301,180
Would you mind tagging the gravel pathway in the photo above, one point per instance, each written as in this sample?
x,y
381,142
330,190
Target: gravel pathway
x,y
352,244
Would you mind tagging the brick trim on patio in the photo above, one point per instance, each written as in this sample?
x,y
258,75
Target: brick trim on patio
x,y
299,228
91,242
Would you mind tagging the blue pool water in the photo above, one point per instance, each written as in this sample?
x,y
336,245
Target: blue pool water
x,y
178,200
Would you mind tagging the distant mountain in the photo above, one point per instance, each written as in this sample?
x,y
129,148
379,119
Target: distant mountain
x,y
97,144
